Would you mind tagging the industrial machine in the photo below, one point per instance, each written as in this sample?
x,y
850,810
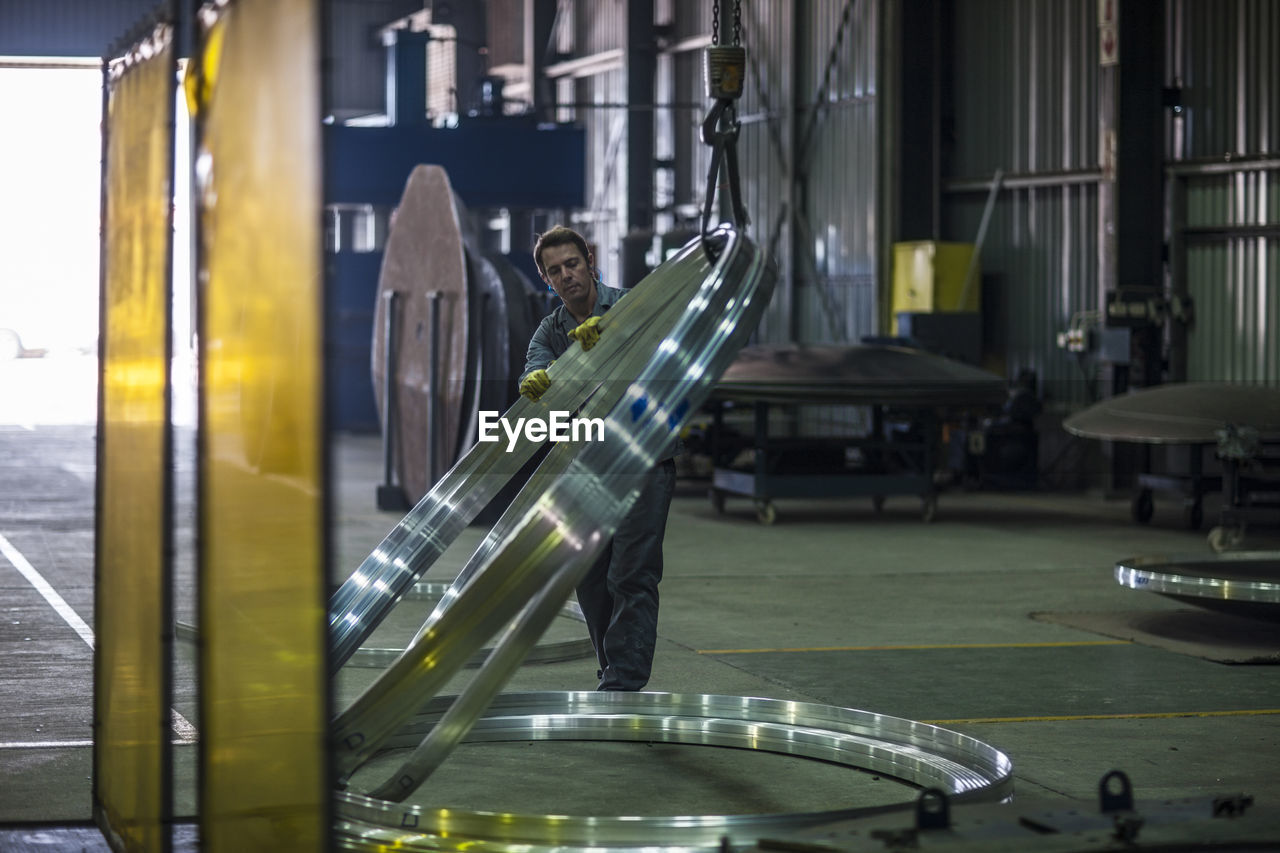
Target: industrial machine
x,y
493,161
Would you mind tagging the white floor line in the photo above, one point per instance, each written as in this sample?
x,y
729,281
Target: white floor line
x,y
181,725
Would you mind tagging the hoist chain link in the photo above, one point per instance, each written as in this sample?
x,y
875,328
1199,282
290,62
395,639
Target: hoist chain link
x,y
715,22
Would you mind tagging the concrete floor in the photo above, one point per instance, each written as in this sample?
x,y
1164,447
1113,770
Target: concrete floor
x,y
832,604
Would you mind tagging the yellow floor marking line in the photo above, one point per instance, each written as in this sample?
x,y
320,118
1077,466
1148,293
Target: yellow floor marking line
x,y
1168,715
920,646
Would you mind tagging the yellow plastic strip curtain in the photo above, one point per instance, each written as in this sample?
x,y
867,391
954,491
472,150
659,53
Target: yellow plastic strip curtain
x,y
254,87
131,610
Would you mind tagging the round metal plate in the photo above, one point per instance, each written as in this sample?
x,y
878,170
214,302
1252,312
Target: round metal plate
x,y
855,374
1183,413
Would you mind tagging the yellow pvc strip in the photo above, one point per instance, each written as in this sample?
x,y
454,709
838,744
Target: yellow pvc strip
x,y
130,790
264,710
919,647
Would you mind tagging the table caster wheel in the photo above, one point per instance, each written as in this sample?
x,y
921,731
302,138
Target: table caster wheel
x,y
929,509
1194,515
1225,538
766,512
1142,506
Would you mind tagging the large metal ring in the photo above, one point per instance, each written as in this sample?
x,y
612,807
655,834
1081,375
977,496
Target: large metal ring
x,y
1251,577
915,753
545,652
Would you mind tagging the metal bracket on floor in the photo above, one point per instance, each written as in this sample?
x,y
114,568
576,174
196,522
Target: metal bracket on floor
x,y
1115,794
1233,805
933,811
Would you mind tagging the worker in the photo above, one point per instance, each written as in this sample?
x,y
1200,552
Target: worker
x,y
619,594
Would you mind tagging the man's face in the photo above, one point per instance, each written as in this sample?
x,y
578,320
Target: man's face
x,y
568,273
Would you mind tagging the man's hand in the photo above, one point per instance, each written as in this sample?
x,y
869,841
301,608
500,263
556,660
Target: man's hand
x,y
588,333
535,385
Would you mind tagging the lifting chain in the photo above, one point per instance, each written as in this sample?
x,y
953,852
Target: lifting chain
x,y
737,22
724,70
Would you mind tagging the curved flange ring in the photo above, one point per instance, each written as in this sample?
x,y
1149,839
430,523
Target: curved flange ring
x,y
1251,577
375,658
371,591
559,536
916,753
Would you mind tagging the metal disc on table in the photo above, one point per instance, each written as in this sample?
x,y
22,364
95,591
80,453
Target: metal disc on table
x,y
424,255
856,374
1182,413
1243,582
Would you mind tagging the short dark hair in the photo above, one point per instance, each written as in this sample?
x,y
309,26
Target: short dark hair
x,y
560,235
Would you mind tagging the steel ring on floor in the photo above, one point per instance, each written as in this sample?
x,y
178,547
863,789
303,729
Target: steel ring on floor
x,y
1243,583
915,753
545,652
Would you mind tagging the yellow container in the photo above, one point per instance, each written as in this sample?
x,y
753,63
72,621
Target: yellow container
x,y
929,276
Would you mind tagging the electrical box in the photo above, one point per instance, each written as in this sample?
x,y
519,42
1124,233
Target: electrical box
x,y
930,276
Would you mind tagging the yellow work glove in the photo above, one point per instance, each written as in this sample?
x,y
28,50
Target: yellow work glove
x,y
588,333
535,385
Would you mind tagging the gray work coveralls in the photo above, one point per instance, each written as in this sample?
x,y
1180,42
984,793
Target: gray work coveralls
x,y
619,594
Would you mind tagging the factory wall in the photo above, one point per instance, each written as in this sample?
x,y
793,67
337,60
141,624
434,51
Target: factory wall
x,y
605,121
1225,177
807,151
1024,99
355,73
40,28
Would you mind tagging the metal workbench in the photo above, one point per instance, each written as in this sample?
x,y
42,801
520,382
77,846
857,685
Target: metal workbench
x,y
904,390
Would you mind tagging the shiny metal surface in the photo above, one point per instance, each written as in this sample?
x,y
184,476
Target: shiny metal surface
x,y
546,652
520,576
1251,577
427,530
1182,413
915,753
855,374
597,487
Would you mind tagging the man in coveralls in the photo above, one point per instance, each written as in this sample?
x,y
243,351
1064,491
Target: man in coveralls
x,y
619,595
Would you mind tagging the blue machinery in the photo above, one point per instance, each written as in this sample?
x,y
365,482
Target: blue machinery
x,y
492,161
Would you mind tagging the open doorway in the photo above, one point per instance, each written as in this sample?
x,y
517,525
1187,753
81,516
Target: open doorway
x,y
49,221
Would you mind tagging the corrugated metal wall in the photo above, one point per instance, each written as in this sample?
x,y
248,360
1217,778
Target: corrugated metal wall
x,y
1224,53
603,223
836,236
812,79
1025,84
1026,100
41,28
